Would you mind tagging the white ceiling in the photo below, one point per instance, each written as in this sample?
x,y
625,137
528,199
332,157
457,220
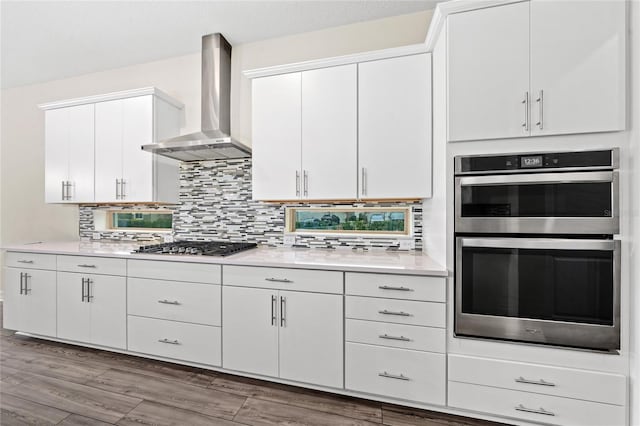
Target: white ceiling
x,y
48,40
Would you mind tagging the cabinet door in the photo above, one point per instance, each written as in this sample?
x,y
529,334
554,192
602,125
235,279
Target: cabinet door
x,y
39,304
13,306
311,338
137,165
108,150
276,147
108,302
250,330
578,66
74,312
56,136
488,73
329,133
81,153
395,127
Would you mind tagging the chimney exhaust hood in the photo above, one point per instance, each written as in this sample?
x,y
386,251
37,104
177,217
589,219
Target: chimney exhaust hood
x,y
213,142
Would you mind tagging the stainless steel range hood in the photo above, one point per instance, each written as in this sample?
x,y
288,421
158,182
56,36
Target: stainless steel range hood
x,y
213,142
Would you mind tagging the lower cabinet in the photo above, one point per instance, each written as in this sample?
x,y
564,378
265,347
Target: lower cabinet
x,y
92,309
288,334
30,301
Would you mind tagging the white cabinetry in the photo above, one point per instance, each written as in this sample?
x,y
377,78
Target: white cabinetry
x,y
30,294
344,131
293,335
394,125
536,68
69,154
101,136
92,300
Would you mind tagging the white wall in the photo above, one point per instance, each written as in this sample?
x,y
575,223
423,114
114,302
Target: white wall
x,y
23,215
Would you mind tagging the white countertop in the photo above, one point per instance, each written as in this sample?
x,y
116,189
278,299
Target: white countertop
x,y
341,259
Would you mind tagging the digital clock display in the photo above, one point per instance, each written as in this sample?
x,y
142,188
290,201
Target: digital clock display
x,y
531,161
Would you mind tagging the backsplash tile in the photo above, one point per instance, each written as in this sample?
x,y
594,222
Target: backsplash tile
x,y
215,204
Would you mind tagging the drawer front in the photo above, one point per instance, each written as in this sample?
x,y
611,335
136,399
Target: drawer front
x,y
431,289
174,300
30,260
92,265
565,382
534,407
284,279
177,340
396,335
410,312
396,373
175,271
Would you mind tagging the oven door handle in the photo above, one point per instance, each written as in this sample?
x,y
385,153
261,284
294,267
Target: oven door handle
x,y
541,243
537,178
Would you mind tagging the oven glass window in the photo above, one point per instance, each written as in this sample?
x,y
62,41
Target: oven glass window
x,y
592,199
557,285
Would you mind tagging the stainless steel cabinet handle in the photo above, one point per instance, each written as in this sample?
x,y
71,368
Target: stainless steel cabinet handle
x,y
540,382
401,314
393,376
84,265
521,407
123,186
63,196
525,101
297,183
168,302
22,274
273,310
364,181
169,342
402,338
89,295
84,281
26,284
306,183
540,102
25,261
283,311
387,287
278,280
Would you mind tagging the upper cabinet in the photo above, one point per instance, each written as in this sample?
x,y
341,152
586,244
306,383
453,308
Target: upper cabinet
x,y
536,68
93,148
394,125
345,130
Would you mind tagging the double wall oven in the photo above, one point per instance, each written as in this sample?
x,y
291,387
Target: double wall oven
x,y
536,257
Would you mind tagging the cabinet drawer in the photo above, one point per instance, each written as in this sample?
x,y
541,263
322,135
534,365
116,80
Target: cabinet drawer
x,y
284,279
175,271
529,406
432,289
397,311
30,260
396,335
565,382
397,373
92,265
177,340
174,300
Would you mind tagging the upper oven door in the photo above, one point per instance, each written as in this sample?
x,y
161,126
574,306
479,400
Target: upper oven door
x,y
538,203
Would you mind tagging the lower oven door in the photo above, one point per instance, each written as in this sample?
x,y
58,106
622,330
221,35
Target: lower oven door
x,y
555,291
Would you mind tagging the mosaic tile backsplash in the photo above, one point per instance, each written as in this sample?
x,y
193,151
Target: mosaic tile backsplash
x,y
215,204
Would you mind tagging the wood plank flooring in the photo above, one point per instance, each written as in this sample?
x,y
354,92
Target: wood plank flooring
x,y
49,383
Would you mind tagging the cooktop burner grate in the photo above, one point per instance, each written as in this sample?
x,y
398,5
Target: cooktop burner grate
x,y
197,248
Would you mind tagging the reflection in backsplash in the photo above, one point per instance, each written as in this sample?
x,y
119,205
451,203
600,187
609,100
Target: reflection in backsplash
x,y
215,204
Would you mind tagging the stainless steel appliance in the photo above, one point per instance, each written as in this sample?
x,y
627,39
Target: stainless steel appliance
x,y
201,248
536,258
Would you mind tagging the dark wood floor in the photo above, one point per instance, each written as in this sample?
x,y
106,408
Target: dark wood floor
x,y
47,383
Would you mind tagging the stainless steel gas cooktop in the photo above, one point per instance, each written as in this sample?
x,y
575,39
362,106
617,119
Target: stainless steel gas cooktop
x,y
202,248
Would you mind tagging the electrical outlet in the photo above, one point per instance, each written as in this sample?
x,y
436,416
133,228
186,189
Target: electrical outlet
x,y
289,240
96,236
168,238
406,245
